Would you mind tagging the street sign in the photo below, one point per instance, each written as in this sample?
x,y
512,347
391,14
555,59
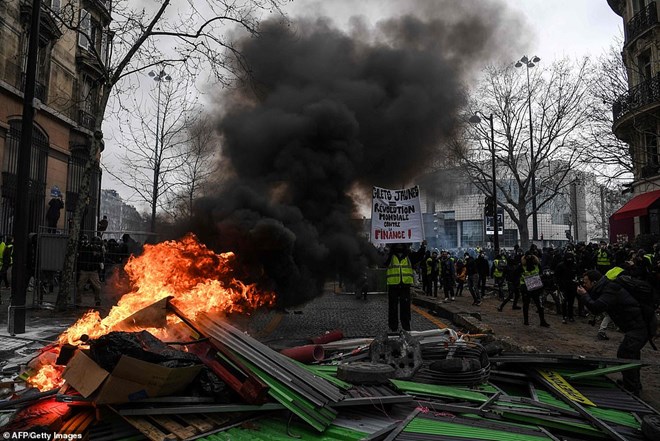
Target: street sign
x,y
500,223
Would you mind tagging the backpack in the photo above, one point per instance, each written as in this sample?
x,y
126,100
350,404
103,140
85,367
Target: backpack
x,y
647,297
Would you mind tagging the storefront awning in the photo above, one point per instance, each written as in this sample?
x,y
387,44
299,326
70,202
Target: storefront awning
x,y
637,206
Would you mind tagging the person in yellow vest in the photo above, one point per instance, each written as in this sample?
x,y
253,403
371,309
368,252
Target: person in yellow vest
x,y
400,263
7,260
603,258
497,272
531,287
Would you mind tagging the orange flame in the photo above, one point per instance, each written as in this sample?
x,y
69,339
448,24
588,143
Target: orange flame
x,y
198,279
49,377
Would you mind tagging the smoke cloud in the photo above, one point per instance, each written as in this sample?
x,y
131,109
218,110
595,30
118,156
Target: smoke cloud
x,y
323,116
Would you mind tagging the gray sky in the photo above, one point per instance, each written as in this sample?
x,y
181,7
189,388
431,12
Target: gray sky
x,y
550,29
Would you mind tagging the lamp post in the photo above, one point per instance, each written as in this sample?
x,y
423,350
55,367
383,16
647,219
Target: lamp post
x,y
524,61
159,77
476,120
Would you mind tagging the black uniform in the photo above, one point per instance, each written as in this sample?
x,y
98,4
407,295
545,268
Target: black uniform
x,y
626,313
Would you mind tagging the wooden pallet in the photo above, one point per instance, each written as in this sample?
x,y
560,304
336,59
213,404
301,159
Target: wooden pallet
x,y
177,427
79,423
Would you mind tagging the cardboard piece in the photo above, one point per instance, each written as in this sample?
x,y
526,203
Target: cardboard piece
x,y
130,380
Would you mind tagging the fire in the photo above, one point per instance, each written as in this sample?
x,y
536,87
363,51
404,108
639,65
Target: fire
x,y
198,279
49,377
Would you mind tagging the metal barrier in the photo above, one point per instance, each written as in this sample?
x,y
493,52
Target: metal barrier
x,y
49,248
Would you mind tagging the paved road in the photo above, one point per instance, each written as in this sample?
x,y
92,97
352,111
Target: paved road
x,y
332,310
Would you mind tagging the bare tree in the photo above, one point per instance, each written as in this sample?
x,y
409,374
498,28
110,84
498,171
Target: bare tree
x,y
602,202
141,37
558,99
196,166
156,139
609,80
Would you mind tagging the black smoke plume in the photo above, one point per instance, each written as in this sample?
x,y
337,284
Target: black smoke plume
x,y
324,115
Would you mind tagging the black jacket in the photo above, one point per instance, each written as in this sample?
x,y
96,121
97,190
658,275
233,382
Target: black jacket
x,y
610,297
565,274
483,268
470,266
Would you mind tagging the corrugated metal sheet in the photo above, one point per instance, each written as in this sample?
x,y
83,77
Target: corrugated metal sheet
x,y
272,429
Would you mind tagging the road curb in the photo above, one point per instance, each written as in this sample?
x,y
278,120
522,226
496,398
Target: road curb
x,y
466,321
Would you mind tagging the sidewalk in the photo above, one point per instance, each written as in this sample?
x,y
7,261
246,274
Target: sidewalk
x,y
507,328
43,324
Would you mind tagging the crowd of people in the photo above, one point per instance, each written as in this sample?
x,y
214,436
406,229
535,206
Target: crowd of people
x,y
96,258
612,281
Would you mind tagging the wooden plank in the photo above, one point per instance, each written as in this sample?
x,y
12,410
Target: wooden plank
x,y
218,419
181,431
149,430
84,420
199,423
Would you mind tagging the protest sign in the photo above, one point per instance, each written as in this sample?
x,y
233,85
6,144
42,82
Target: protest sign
x,y
396,216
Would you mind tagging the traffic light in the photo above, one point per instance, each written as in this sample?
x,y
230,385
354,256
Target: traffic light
x,y
489,206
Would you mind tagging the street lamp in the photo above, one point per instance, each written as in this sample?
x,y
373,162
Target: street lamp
x,y
524,61
159,77
476,120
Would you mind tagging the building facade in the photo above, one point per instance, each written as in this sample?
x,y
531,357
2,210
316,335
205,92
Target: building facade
x,y
454,215
637,118
122,217
65,101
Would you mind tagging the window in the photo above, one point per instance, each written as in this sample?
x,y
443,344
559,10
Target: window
x,y
651,142
472,233
104,48
638,5
509,239
85,29
55,5
644,66
35,192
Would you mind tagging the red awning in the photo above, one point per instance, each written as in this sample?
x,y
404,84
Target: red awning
x,y
637,206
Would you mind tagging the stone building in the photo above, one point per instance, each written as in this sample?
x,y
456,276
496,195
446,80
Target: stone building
x,y
637,117
67,68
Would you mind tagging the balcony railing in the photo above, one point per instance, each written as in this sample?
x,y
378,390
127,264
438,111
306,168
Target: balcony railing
x,y
39,89
87,120
642,21
641,95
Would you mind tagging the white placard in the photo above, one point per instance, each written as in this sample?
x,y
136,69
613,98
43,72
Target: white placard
x,y
396,216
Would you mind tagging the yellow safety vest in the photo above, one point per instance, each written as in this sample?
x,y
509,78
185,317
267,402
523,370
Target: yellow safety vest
x,y
526,273
614,273
602,259
429,266
400,271
497,272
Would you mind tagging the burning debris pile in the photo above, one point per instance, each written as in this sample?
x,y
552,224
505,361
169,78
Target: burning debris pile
x,y
167,364
424,385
